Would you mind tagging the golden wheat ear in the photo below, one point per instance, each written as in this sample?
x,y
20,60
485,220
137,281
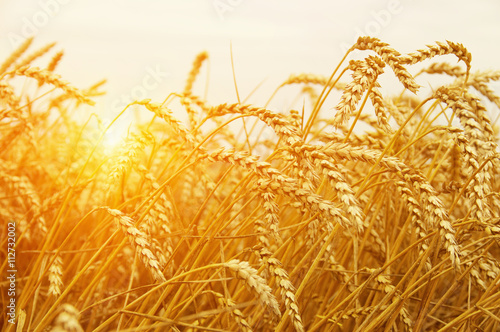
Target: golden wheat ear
x,y
140,241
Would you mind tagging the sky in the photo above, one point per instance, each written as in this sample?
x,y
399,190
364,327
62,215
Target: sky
x,y
145,48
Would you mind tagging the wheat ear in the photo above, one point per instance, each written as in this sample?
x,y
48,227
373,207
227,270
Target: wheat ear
x,y
389,56
364,74
198,61
285,286
55,276
15,55
67,320
140,241
45,76
255,283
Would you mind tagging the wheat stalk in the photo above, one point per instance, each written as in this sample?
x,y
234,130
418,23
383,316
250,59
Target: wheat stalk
x,y
235,313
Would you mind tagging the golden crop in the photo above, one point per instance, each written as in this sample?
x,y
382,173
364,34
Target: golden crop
x,y
302,221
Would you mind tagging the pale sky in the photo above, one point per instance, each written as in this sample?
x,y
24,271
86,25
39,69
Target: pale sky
x,y
149,45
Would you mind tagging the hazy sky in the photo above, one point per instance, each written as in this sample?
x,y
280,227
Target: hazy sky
x,y
148,46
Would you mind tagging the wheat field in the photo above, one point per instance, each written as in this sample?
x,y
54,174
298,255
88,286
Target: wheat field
x,y
381,213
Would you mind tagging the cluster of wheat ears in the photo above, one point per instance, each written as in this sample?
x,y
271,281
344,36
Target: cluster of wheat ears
x,y
301,221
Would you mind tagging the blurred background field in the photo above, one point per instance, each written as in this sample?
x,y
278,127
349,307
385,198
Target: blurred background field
x,y
126,41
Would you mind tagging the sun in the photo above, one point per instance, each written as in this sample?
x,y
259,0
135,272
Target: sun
x,y
107,134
